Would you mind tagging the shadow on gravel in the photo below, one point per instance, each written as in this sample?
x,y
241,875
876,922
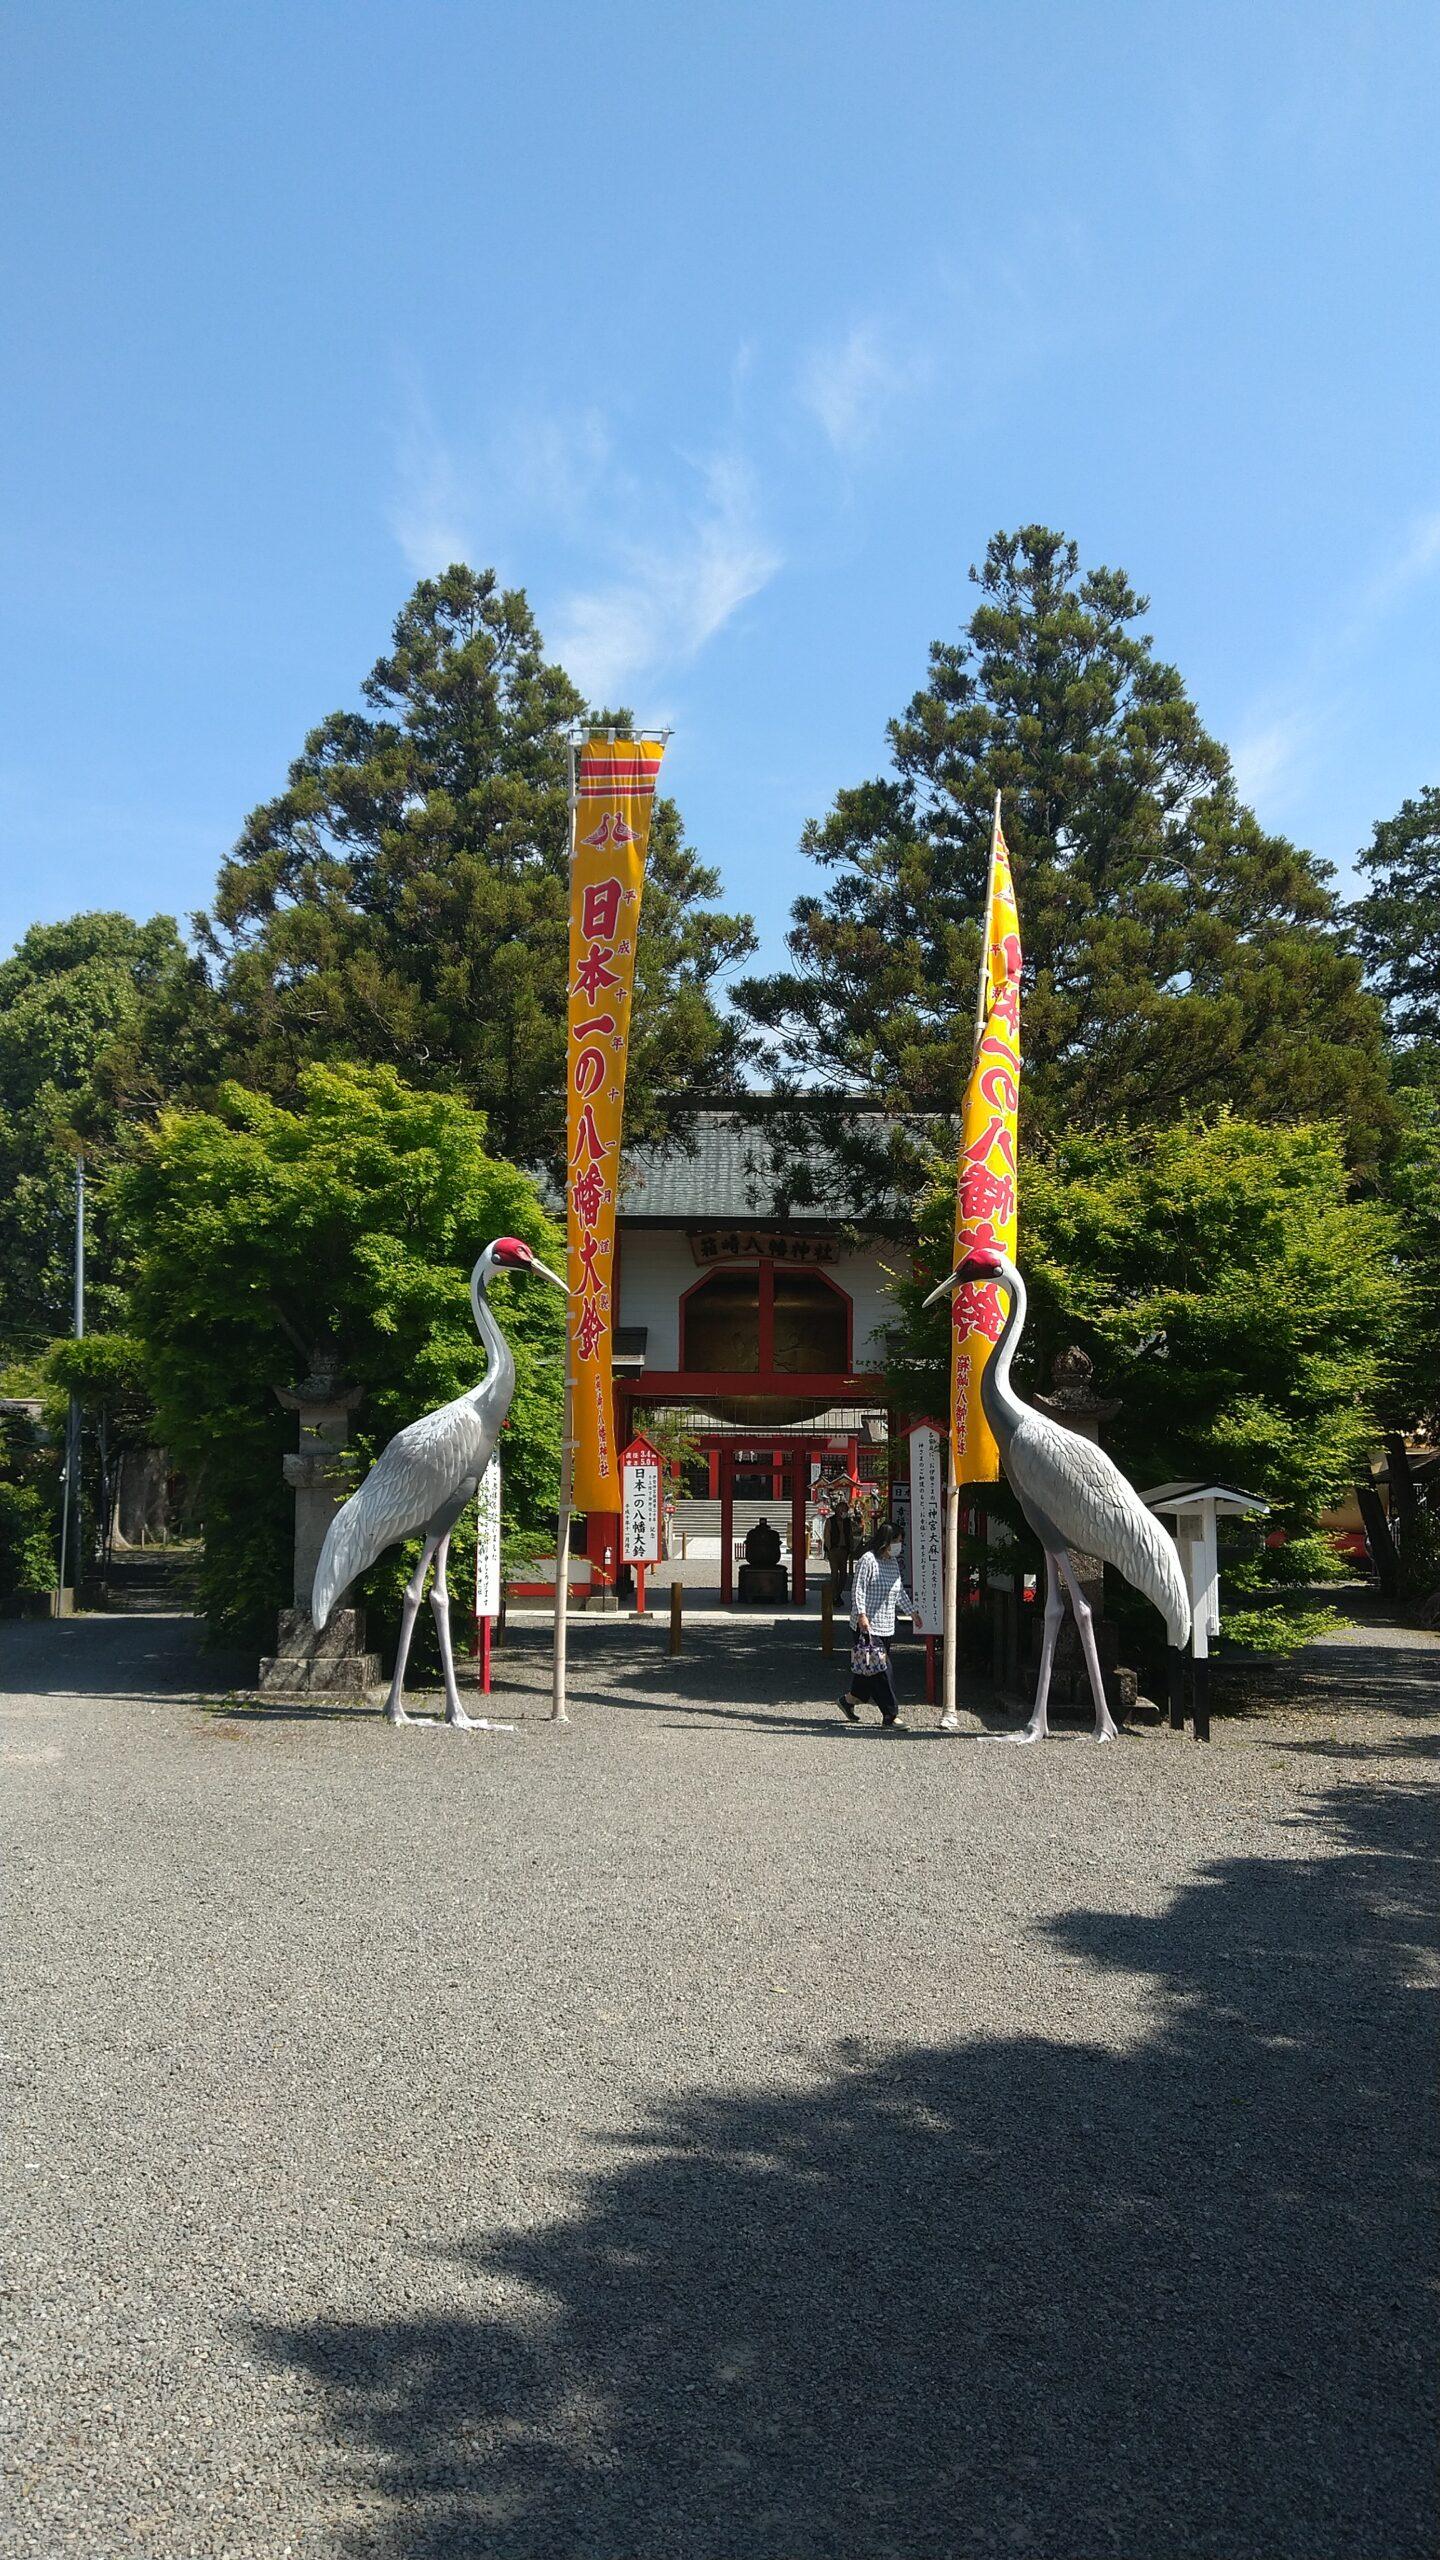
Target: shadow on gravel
x,y
129,1656
770,1674
1397,1679
1003,2297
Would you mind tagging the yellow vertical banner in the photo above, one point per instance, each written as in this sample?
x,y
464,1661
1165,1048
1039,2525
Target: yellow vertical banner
x,y
610,836
986,1175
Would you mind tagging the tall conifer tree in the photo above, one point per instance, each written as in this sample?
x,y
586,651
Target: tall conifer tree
x,y
1177,956
404,901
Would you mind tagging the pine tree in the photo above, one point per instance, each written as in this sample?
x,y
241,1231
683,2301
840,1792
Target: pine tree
x,y
1398,921
404,901
1177,956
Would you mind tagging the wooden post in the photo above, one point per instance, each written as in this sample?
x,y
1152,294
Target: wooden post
x,y
827,1618
929,1671
1200,1697
1177,1689
485,1657
677,1611
641,1609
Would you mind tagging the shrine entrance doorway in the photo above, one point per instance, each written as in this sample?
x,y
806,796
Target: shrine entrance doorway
x,y
782,1467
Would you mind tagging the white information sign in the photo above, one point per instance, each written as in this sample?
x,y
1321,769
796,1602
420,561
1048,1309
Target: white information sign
x,y
487,1542
927,1528
640,1504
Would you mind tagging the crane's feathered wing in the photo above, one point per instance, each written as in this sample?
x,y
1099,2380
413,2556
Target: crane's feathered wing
x,y
1072,1485
425,1467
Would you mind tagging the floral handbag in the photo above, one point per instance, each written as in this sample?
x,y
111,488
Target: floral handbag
x,y
867,1656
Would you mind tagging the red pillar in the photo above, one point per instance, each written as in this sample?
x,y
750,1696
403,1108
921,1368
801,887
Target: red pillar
x,y
799,1475
727,1525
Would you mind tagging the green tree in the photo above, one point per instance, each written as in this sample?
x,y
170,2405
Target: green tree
x,y
29,1496
261,1233
1398,919
405,899
106,1373
1412,1186
1177,956
1397,926
1229,1288
99,1017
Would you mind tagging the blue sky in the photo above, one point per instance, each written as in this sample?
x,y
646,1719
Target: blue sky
x,y
729,333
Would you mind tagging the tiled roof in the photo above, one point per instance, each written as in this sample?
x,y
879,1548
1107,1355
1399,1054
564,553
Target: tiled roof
x,y
723,1168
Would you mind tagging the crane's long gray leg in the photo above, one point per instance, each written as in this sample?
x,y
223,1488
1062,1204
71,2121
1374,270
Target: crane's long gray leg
x,y
1039,1724
414,1593
1106,1729
440,1603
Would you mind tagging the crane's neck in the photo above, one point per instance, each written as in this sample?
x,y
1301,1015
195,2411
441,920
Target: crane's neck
x,y
499,1379
1001,1405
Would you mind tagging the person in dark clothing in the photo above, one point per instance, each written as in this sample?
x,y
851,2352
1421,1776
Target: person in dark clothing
x,y
838,1546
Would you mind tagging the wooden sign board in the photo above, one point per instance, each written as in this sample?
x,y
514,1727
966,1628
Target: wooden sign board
x,y
487,1542
640,1503
925,1559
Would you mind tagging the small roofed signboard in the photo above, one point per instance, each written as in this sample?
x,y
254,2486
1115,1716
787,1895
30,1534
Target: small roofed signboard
x,y
640,1503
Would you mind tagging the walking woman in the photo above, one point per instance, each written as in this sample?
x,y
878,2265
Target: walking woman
x,y
878,1593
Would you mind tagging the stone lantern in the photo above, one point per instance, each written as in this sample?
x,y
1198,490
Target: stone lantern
x,y
322,1476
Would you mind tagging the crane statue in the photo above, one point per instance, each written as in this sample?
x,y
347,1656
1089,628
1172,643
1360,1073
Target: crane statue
x,y
1072,1495
423,1481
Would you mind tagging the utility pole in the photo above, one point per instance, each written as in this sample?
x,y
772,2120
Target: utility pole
x,y
70,1481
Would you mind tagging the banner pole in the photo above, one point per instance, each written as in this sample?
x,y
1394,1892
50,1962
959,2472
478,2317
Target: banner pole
x,y
559,1713
950,1713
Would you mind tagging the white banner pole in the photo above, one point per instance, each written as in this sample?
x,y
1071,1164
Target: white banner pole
x,y
949,1712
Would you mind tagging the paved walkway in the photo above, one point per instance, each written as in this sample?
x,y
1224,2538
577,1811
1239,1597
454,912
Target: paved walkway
x,y
711,2133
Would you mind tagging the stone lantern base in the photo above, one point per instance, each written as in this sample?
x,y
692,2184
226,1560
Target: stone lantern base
x,y
308,1665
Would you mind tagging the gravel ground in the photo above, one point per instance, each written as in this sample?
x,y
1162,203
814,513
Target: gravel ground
x,y
712,2133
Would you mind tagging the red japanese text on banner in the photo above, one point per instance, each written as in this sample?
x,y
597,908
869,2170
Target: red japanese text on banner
x,y
987,1176
615,794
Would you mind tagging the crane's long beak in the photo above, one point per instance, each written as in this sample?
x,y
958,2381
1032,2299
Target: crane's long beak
x,y
974,1267
547,1274
945,1286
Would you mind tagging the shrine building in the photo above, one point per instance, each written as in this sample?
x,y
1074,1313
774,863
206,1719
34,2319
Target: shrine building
x,y
757,1319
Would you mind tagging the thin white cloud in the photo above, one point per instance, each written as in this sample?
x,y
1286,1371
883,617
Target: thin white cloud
x,y
1285,732
1414,556
672,593
666,576
427,512
1267,754
848,385
553,466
